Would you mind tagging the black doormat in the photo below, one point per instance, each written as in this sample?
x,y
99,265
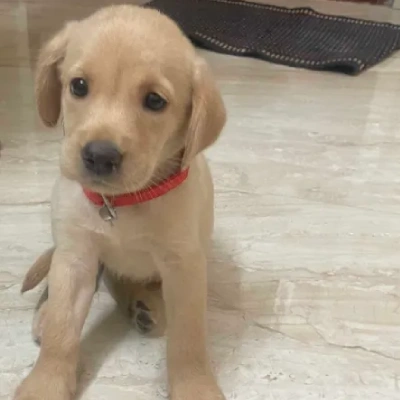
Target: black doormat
x,y
298,37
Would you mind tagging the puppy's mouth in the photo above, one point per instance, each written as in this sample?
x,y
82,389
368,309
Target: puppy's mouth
x,y
112,185
103,172
101,162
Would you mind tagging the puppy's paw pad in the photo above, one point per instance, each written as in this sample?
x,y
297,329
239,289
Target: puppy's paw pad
x,y
144,322
142,306
143,319
37,340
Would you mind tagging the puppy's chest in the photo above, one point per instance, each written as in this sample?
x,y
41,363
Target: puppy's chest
x,y
129,247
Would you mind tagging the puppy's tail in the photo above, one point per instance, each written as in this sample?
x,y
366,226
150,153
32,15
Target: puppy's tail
x,y
38,271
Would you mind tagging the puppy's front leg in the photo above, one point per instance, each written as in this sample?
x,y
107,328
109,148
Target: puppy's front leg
x,y
185,294
72,281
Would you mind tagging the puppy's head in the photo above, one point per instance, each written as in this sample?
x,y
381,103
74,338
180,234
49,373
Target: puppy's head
x,y
137,103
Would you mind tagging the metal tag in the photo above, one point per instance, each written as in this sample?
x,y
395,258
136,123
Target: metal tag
x,y
107,211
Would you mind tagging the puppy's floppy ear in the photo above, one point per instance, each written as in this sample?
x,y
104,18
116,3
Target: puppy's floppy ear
x,y
47,80
208,113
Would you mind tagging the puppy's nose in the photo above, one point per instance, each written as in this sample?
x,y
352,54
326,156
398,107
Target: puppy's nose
x,y
101,157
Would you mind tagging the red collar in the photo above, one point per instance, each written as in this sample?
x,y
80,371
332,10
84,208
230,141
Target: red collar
x,y
141,196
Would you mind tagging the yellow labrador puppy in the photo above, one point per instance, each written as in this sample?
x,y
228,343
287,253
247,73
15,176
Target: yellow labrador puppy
x,y
138,106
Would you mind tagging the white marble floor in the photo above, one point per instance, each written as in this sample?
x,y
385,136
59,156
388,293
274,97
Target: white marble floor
x,y
305,275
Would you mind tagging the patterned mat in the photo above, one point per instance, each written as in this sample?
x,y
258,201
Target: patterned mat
x,y
298,37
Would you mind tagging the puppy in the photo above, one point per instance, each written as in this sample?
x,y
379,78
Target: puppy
x,y
135,194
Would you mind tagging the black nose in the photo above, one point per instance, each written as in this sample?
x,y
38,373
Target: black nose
x,y
101,157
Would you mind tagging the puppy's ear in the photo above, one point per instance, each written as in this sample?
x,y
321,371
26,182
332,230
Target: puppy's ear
x,y
208,113
47,80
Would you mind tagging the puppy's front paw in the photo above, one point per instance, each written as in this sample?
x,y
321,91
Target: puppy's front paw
x,y
42,384
202,388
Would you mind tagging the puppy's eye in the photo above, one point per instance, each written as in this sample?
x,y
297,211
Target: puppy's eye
x,y
79,87
154,102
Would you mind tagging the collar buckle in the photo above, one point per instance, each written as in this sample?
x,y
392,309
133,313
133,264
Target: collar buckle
x,y
107,212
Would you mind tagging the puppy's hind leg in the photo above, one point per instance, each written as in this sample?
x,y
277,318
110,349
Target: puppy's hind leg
x,y
147,309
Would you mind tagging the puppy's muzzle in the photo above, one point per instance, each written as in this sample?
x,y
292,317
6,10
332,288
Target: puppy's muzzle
x,y
101,157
